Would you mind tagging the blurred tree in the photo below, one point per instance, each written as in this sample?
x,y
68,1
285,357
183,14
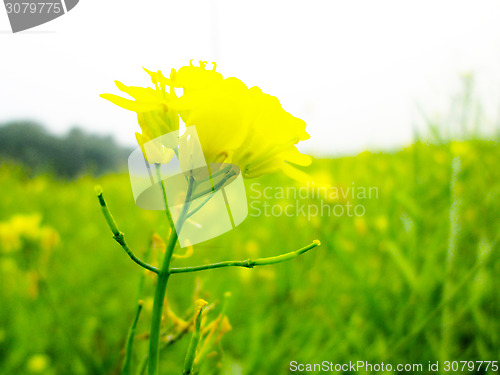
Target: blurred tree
x,y
69,156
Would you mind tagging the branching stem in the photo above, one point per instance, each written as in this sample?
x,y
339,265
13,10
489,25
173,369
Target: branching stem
x,y
216,187
161,285
249,263
118,236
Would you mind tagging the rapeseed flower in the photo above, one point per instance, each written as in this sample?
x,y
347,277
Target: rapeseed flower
x,y
235,124
38,363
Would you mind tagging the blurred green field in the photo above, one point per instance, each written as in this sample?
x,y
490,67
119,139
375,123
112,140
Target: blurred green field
x,y
415,279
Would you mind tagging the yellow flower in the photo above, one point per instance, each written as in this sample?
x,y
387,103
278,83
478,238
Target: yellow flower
x,y
38,363
153,110
27,225
235,124
9,239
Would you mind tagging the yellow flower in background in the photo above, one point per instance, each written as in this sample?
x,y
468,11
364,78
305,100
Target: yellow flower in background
x,y
9,240
19,228
381,223
38,363
460,148
235,124
26,225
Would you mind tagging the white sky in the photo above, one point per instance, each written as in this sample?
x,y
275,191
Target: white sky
x,y
353,70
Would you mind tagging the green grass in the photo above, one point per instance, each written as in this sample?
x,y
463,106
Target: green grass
x,y
415,279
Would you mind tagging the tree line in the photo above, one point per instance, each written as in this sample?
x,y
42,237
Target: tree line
x,y
70,155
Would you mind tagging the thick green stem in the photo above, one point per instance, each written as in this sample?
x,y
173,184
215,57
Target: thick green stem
x,y
164,345
161,285
249,263
161,288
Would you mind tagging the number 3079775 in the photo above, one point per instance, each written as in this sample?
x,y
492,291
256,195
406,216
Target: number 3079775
x,y
33,7
470,366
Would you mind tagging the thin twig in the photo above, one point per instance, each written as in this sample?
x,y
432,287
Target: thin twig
x,y
215,187
249,263
195,340
119,236
130,341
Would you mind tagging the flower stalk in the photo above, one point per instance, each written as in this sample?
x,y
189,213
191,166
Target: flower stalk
x,y
166,271
163,276
237,125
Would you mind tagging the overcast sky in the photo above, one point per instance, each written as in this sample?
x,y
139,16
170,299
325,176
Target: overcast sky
x,y
354,71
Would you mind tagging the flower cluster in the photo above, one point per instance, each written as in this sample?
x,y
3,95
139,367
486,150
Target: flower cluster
x,y
235,124
19,230
25,248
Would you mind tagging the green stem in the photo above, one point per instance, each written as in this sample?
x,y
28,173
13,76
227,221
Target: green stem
x,y
215,187
129,347
195,210
161,285
164,192
161,288
215,174
193,345
119,236
164,345
249,263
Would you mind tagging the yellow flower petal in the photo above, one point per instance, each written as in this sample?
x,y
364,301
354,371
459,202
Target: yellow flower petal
x,y
131,105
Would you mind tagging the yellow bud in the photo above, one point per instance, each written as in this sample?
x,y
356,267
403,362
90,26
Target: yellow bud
x,y
200,303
